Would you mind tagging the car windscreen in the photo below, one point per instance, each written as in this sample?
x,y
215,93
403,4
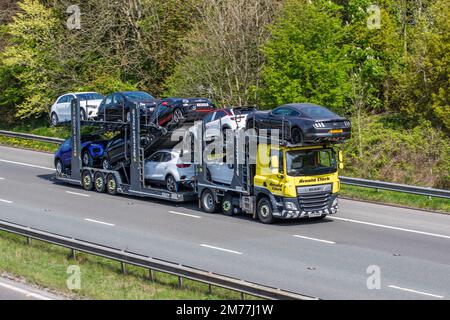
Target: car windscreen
x,y
138,96
317,112
89,96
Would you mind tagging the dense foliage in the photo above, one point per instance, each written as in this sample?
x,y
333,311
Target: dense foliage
x,y
388,72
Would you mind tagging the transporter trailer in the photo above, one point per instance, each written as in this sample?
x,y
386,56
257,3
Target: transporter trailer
x,y
128,176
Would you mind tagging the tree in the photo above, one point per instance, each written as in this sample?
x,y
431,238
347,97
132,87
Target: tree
x,y
422,79
306,57
222,60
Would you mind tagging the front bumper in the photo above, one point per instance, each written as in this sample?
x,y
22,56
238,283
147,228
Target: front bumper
x,y
293,208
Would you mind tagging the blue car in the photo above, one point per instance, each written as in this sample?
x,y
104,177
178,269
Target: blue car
x,y
92,150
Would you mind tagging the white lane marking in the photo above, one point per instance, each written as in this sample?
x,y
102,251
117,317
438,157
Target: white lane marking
x,y
418,292
393,228
185,214
78,194
25,292
27,164
100,222
314,239
220,249
2,178
6,201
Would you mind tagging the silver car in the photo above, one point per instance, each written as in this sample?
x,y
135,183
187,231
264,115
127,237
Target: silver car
x,y
165,167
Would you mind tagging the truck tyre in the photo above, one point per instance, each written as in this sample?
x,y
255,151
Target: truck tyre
x,y
99,182
227,205
86,180
208,202
265,210
111,184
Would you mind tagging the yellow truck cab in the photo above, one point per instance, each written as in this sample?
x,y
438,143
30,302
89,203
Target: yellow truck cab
x,y
297,182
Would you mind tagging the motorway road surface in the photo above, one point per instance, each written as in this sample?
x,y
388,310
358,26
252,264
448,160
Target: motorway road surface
x,y
13,290
331,259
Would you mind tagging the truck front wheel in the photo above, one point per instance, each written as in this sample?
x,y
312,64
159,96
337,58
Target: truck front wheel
x,y
265,211
208,202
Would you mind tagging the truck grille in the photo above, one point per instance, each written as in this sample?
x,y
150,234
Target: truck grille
x,y
314,198
314,202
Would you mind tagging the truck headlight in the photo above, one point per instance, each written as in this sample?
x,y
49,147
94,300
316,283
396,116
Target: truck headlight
x,y
335,202
290,205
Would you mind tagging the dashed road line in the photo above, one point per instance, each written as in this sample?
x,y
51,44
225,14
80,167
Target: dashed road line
x,y
100,222
314,239
5,201
185,214
220,249
78,194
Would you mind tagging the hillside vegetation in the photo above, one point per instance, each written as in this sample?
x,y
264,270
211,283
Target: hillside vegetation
x,y
386,67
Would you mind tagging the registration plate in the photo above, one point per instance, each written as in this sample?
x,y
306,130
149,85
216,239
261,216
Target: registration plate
x,y
314,214
202,104
336,131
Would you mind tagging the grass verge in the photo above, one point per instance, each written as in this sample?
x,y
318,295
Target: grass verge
x,y
46,265
396,198
28,144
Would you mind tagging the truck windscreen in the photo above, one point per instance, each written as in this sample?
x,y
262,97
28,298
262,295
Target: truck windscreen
x,y
309,162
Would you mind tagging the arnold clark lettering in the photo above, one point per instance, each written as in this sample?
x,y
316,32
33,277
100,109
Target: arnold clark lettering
x,y
321,179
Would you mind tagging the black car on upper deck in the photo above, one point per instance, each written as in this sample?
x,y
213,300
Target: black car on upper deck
x,y
302,123
117,105
173,110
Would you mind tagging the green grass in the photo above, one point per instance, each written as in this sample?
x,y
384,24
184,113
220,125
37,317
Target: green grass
x,y
46,265
40,130
28,144
396,198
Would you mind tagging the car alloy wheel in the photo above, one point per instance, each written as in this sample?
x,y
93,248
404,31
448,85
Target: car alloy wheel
x,y
82,114
59,167
106,165
171,184
87,162
54,119
177,115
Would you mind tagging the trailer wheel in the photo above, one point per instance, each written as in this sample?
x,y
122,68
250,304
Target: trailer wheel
x,y
86,180
208,202
265,211
99,182
111,184
227,205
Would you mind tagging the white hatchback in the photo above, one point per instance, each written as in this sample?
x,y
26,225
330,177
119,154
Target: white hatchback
x,y
165,167
61,109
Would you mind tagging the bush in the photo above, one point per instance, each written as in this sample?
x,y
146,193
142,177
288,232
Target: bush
x,y
389,149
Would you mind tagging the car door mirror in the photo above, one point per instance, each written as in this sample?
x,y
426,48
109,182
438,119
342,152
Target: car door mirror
x,y
341,159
